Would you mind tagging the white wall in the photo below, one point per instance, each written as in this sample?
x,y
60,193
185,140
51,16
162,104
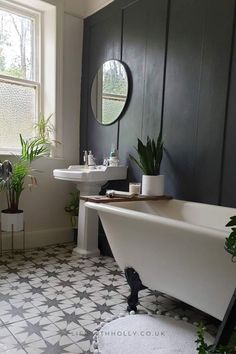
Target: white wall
x,y
73,39
95,5
75,7
46,221
85,8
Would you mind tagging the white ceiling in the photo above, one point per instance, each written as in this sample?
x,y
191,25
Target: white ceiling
x,y
85,8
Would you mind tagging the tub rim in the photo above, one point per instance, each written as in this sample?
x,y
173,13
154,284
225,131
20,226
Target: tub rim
x,y
140,215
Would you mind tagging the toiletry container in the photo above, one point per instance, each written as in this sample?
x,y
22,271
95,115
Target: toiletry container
x,y
114,160
91,161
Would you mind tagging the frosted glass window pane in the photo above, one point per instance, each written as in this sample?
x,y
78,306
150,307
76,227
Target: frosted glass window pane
x,y
17,113
16,45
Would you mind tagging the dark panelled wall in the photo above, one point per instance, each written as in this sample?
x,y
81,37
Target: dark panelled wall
x,y
182,59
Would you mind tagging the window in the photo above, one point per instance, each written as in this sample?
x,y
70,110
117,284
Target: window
x,y
114,90
20,84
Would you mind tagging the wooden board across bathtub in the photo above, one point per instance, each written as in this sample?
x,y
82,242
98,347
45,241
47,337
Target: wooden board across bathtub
x,y
104,199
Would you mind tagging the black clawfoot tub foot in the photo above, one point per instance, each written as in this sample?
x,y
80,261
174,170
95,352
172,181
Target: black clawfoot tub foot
x,y
136,285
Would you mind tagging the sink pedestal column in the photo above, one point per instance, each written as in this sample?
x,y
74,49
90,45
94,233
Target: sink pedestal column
x,y
89,182
87,241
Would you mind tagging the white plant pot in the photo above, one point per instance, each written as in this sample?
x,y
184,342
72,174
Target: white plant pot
x,y
9,219
153,185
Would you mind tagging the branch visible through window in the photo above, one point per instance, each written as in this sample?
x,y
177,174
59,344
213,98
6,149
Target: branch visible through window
x,y
19,63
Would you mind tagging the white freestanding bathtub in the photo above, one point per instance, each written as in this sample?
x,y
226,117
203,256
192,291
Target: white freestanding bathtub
x,y
176,247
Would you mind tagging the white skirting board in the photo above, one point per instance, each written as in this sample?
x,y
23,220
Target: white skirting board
x,y
37,238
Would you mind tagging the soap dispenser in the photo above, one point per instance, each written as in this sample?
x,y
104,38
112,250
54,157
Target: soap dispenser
x,y
91,161
114,160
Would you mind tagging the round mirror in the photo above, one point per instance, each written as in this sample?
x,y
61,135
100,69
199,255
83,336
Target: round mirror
x,y
109,92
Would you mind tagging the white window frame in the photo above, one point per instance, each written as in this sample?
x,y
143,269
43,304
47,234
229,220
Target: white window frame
x,y
36,83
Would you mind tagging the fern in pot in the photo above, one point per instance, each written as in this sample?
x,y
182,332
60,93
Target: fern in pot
x,y
12,181
149,161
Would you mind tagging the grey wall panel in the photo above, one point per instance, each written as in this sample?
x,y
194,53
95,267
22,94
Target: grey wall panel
x,y
195,37
156,31
104,43
195,97
144,30
134,52
228,197
212,100
181,99
108,33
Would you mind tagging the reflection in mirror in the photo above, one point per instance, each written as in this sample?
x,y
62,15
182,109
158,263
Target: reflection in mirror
x,y
109,92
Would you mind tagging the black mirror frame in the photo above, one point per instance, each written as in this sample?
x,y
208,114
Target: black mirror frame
x,y
127,101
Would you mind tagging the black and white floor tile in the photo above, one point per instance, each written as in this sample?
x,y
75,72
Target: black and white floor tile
x,y
51,300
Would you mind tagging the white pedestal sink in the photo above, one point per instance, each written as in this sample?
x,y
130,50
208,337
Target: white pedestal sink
x,y
89,182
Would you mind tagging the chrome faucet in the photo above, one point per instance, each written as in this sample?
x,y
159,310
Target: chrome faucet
x,y
85,158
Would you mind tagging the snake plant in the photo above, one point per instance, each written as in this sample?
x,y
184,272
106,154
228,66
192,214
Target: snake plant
x,y
149,156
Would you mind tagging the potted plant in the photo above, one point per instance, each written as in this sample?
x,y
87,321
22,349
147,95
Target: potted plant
x,y
230,242
149,161
45,129
12,181
202,346
73,209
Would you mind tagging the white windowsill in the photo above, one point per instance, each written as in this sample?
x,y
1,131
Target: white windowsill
x,y
16,153
10,152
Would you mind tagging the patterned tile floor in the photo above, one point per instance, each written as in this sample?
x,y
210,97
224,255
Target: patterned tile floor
x,y
52,300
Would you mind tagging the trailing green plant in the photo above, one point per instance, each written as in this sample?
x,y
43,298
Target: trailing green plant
x,y
13,174
204,348
73,207
149,155
230,242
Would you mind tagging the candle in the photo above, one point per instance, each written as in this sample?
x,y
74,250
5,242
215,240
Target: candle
x,y
135,188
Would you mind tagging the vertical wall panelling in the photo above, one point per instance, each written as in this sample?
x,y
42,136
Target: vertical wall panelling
x,y
195,97
228,192
134,49
154,67
179,55
103,44
144,29
213,92
182,81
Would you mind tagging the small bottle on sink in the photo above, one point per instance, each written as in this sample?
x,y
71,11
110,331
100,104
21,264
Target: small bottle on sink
x,y
91,160
114,160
